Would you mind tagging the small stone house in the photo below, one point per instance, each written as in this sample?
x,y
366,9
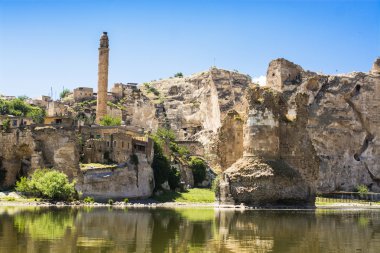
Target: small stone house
x,y
104,144
16,121
83,93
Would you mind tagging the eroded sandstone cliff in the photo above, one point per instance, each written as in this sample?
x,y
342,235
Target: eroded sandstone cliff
x,y
24,150
323,129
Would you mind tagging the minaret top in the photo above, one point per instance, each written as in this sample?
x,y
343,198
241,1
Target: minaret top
x,y
104,40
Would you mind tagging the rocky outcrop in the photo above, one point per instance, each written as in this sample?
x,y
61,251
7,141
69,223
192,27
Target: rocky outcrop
x,y
322,128
273,168
196,106
129,181
24,150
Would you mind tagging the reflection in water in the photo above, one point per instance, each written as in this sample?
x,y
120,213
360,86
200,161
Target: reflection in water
x,y
186,230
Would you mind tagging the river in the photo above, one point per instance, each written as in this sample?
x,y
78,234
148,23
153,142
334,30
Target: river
x,y
43,229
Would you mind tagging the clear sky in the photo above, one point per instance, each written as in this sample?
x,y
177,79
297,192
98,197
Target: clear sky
x,y
51,43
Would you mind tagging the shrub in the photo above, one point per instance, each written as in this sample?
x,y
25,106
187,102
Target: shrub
x,y
46,183
174,178
6,124
362,189
215,184
64,93
134,159
110,121
160,165
110,202
88,200
126,200
198,167
178,74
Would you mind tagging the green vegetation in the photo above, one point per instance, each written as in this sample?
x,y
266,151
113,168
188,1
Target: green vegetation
x,y
198,166
6,124
215,184
161,163
362,189
89,200
195,195
178,74
134,159
174,178
151,89
18,107
118,105
164,139
47,183
110,121
110,202
64,93
126,200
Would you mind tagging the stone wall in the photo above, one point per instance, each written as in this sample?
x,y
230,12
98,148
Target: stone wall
x,y
131,181
23,151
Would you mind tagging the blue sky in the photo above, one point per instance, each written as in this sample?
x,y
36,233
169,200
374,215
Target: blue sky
x,y
49,43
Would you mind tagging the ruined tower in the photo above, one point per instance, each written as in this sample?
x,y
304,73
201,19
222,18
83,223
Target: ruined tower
x,y
101,108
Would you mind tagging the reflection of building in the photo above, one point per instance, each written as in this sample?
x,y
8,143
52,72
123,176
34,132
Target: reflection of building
x,y
16,121
104,144
83,93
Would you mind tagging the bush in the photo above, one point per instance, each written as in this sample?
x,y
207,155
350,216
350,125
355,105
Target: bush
x,y
89,200
178,74
64,93
110,121
6,124
126,200
160,165
215,184
46,183
110,202
134,159
174,178
362,189
198,167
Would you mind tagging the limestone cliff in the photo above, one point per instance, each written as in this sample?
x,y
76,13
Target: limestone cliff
x,y
129,181
320,130
24,150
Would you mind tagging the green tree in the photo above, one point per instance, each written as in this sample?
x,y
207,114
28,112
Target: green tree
x,y
64,93
198,167
47,183
160,165
178,74
110,121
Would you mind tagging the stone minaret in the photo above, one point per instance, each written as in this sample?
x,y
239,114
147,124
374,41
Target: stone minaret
x,y
101,109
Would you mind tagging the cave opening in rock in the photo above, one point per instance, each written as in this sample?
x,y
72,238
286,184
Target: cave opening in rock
x,y
357,157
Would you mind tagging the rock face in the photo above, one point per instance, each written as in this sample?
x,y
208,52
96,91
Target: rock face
x,y
323,129
131,181
23,151
279,165
195,107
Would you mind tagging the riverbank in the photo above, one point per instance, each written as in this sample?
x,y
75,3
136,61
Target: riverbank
x,y
194,198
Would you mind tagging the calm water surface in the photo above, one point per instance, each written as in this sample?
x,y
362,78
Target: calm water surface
x,y
33,229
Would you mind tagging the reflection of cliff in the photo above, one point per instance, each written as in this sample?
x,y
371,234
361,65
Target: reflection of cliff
x,y
186,230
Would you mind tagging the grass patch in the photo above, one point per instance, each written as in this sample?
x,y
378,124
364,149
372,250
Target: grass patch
x,y
331,201
195,195
91,166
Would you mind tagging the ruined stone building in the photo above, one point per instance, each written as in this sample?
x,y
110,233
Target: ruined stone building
x,y
83,93
115,144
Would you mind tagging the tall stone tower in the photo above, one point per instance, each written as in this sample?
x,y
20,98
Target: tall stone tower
x,y
101,108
